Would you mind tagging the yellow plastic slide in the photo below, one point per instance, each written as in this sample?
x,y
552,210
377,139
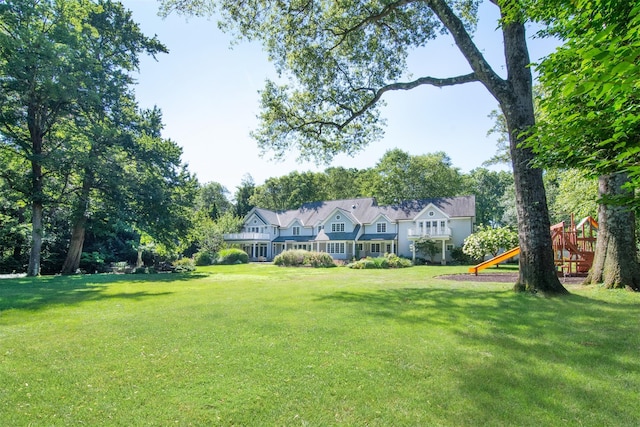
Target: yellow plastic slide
x,y
495,260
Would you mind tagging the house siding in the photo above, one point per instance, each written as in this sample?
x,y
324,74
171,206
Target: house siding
x,y
330,226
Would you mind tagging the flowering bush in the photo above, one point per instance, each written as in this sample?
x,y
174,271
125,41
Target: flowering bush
x,y
489,241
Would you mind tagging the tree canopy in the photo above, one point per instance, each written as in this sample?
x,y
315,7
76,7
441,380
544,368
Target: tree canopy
x,y
337,60
69,125
590,108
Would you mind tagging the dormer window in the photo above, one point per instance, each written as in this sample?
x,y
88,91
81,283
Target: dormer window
x,y
381,227
337,227
296,231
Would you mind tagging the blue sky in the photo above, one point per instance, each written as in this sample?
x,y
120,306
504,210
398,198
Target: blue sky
x,y
208,92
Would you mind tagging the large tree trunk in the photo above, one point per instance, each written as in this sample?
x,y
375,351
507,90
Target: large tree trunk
x,y
537,268
37,196
36,239
615,262
74,253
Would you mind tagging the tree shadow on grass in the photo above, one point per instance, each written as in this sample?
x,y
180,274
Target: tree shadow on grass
x,y
40,292
519,358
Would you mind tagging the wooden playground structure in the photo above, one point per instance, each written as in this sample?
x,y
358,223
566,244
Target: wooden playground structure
x,y
573,248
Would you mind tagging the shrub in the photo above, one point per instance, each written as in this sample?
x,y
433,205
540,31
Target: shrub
x,y
387,261
92,262
232,256
203,258
458,256
290,258
427,247
363,264
184,265
397,262
319,260
300,258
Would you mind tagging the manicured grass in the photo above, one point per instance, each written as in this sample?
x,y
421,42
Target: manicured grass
x,y
263,345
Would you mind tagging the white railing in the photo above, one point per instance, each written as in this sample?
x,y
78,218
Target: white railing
x,y
247,236
435,233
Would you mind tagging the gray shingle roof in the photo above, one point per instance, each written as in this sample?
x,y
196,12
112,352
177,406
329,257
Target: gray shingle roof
x,y
324,236
366,210
381,236
462,206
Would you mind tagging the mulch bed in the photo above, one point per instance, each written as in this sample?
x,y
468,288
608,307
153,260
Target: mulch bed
x,y
503,278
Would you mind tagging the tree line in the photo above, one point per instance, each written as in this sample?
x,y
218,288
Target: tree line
x,y
77,150
397,176
338,60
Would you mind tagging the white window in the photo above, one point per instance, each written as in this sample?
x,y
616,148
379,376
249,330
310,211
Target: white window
x,y
335,248
381,227
296,231
337,227
375,247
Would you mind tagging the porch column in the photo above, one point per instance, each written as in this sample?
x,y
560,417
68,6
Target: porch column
x,y
413,251
444,248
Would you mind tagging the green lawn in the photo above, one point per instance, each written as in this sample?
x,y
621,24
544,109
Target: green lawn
x,y
261,345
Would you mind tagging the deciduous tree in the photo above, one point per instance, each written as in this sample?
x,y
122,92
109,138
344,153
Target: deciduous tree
x,y
400,176
341,58
49,64
490,188
590,117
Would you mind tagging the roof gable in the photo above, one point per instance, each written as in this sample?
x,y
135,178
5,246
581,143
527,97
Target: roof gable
x,y
453,207
338,214
366,211
431,208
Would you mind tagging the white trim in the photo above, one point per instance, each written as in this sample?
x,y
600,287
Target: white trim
x,y
344,213
429,207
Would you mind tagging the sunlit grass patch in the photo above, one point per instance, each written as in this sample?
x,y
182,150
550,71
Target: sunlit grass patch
x,y
264,345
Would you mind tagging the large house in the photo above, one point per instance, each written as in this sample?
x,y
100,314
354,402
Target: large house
x,y
356,228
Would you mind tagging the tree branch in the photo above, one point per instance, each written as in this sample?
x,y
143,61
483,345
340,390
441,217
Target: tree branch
x,y
374,18
431,81
485,74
